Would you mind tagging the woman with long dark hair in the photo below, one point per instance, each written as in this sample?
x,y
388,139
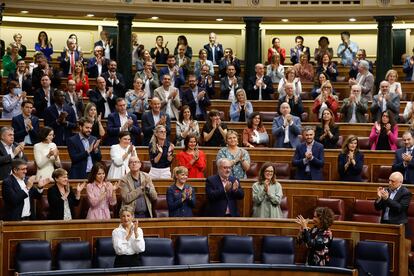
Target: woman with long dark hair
x,y
44,45
384,133
192,158
327,133
350,160
255,135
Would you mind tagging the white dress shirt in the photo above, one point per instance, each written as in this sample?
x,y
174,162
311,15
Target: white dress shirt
x,y
134,245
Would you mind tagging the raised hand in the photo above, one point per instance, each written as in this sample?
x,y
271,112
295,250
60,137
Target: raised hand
x,y
80,187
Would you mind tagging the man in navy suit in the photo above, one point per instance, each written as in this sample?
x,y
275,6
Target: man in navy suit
x,y
114,79
152,118
119,121
214,50
83,150
394,201
176,72
43,97
286,128
69,57
404,161
196,98
260,86
223,191
103,98
309,158
26,125
98,64
61,118
19,192
296,51
9,150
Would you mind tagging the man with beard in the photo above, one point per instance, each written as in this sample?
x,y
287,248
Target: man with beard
x,y
115,79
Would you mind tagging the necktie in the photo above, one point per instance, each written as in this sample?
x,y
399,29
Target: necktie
x,y
72,62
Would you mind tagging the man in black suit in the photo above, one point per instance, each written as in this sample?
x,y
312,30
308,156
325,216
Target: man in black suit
x,y
108,45
223,191
19,192
43,97
74,99
83,150
404,161
230,83
214,49
61,118
22,76
114,79
152,118
69,57
9,150
260,86
394,201
98,64
196,98
119,121
44,69
103,98
26,125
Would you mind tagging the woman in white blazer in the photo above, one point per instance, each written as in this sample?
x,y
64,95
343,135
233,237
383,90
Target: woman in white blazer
x,y
46,154
120,155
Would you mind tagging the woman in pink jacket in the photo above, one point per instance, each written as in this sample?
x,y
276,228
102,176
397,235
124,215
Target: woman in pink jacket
x,y
384,134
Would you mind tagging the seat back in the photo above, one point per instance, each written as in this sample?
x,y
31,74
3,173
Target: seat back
x,y
161,207
337,206
158,251
363,143
282,170
382,174
104,253
371,258
338,253
365,174
253,170
237,249
146,166
73,255
192,250
285,207
278,250
364,211
33,256
268,116
31,168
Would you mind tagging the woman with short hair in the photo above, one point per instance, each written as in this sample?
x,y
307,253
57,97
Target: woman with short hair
x,y
181,198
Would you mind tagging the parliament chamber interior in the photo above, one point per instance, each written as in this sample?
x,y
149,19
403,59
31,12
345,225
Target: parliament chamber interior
x,y
176,87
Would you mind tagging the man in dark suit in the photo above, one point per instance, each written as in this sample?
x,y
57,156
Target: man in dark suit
x,y
309,157
83,150
44,69
114,79
119,121
394,201
61,118
160,53
103,98
286,128
22,76
69,57
74,99
404,161
26,125
19,192
43,97
176,72
230,83
152,118
227,60
214,50
295,102
260,86
9,150
385,101
223,191
296,51
196,98
107,43
206,81
98,64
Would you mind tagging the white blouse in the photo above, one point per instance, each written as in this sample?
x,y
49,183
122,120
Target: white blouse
x,y
119,167
134,245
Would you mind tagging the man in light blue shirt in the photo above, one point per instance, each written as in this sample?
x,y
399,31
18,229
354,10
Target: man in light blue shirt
x,y
347,49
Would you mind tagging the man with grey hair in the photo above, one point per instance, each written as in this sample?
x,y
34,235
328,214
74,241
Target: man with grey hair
x,y
259,86
286,128
354,107
309,157
98,64
384,101
69,57
9,150
365,79
223,191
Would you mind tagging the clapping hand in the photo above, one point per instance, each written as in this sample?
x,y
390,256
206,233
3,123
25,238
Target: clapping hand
x,y
235,185
80,187
43,182
308,155
302,222
388,127
30,181
377,127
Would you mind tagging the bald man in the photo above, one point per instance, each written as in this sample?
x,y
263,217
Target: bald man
x,y
393,201
259,86
286,128
152,118
103,98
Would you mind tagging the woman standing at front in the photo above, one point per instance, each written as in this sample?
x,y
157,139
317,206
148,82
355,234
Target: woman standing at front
x,y
318,239
181,197
267,194
161,153
238,157
46,154
128,240
62,200
101,193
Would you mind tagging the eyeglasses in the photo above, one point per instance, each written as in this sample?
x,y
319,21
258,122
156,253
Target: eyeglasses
x,y
227,167
269,171
134,162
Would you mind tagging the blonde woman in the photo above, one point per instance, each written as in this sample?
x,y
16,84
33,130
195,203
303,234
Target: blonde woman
x,y
392,77
267,194
80,78
240,109
161,153
326,100
181,196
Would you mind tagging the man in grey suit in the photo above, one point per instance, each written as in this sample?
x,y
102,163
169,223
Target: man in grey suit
x,y
353,109
385,101
286,128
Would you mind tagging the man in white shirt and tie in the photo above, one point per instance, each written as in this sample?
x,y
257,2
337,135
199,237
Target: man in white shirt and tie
x,y
18,192
9,150
69,57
